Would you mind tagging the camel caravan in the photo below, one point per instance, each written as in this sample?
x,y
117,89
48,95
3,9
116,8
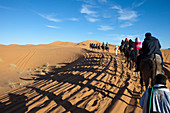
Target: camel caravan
x,y
146,60
98,46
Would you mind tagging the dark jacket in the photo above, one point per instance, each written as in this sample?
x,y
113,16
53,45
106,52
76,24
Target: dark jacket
x,y
151,46
131,44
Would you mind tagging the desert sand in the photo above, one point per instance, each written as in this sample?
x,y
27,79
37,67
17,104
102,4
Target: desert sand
x,y
68,77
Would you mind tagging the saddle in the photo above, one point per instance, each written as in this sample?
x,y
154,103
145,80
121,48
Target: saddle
x,y
153,58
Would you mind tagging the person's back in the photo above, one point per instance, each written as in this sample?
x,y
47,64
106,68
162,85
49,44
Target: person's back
x,y
131,44
151,46
97,45
107,45
122,42
103,44
126,43
137,44
161,97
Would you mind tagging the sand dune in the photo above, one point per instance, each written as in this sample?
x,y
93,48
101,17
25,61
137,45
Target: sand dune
x,y
83,81
18,61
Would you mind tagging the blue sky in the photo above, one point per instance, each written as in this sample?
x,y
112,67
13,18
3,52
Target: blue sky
x,y
46,21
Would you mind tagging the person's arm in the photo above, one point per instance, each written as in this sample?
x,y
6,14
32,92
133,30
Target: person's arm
x,y
142,100
143,47
159,44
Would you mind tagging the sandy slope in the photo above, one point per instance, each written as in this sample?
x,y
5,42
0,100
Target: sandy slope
x,y
27,58
95,82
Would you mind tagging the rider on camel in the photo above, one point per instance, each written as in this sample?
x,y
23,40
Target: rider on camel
x,y
131,44
150,46
107,45
126,44
137,44
159,101
103,44
122,43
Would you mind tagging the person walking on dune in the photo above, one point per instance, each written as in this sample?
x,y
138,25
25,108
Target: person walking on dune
x,y
157,98
116,50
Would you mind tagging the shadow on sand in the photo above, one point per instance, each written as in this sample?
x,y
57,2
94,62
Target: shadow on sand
x,y
90,79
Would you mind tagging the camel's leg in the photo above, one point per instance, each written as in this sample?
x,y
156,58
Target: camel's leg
x,y
147,81
141,82
136,74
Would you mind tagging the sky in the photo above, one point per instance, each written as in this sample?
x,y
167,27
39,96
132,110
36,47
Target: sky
x,y
46,21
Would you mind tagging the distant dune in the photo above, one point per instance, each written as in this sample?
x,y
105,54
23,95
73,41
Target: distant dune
x,y
88,42
68,77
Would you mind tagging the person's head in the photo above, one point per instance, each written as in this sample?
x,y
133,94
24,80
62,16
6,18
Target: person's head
x,y
147,35
126,39
130,40
160,79
137,39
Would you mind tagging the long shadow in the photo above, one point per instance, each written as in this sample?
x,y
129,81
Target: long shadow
x,y
64,78
167,72
58,99
115,65
119,94
14,101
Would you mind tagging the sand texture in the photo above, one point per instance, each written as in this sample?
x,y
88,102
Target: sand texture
x,y
68,78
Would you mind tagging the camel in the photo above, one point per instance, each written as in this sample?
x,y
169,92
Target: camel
x,y
121,49
149,68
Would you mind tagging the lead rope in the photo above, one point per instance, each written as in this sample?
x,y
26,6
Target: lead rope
x,y
150,102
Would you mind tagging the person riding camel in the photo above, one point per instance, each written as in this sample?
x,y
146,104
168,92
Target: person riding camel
x,y
99,45
94,45
107,45
126,42
157,98
131,44
122,43
137,44
126,45
150,48
103,44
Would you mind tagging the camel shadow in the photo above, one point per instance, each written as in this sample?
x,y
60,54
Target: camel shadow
x,y
89,74
14,100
